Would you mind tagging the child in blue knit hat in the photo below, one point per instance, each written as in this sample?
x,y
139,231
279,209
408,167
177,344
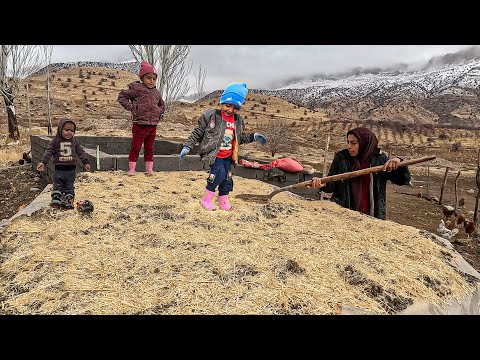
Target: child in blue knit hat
x,y
220,133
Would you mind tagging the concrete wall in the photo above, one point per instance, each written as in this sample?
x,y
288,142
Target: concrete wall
x,y
113,155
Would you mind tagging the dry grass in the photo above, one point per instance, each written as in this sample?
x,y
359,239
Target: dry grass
x,y
149,248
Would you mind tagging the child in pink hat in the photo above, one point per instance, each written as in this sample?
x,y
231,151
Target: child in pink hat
x,y
146,105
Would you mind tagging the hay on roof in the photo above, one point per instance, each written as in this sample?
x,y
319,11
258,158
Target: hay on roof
x,y
149,248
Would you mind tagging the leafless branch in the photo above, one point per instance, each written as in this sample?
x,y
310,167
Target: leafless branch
x,y
170,63
200,81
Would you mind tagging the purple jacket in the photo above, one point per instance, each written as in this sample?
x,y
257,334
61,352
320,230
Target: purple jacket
x,y
146,105
64,152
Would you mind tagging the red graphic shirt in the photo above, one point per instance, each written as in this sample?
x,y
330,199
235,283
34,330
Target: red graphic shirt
x,y
226,147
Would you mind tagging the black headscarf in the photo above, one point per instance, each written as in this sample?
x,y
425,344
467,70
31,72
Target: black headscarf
x,y
367,147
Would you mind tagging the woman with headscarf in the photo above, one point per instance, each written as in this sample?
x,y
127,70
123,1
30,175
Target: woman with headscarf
x,y
367,193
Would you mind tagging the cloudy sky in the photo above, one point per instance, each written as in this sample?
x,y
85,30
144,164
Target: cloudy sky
x,y
268,66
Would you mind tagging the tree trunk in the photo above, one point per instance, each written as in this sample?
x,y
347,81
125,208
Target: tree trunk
x,y
13,132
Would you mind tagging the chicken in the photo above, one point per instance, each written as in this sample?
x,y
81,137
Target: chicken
x,y
461,203
448,210
460,219
444,232
469,227
451,224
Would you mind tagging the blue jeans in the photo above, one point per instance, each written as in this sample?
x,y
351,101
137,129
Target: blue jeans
x,y
221,176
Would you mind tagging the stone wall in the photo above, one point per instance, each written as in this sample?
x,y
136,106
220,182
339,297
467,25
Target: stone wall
x,y
113,155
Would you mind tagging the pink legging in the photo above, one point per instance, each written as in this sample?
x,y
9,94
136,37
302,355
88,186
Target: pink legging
x,y
142,134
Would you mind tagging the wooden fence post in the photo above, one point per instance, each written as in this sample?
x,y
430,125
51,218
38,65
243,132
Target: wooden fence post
x,y
477,178
456,196
443,185
324,171
428,180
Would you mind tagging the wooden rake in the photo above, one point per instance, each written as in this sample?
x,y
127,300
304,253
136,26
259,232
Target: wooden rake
x,y
343,176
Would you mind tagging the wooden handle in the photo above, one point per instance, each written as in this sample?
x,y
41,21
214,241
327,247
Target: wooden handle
x,y
352,174
371,170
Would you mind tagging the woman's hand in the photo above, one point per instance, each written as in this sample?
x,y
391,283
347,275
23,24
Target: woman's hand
x,y
317,183
391,164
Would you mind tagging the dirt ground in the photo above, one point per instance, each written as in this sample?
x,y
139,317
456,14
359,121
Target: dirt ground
x,y
19,185
403,204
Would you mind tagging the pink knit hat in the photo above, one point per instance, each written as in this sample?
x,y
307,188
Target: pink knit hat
x,y
146,68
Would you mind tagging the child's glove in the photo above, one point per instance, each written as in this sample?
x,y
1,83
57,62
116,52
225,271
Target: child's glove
x,y
260,138
184,152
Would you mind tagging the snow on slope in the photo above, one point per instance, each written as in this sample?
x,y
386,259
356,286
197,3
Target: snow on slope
x,y
417,84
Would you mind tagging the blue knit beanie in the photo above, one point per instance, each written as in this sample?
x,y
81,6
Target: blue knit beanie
x,y
235,94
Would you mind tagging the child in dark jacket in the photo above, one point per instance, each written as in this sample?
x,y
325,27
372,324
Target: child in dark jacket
x,y
65,150
220,133
146,105
366,194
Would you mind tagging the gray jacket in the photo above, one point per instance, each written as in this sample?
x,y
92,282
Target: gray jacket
x,y
210,131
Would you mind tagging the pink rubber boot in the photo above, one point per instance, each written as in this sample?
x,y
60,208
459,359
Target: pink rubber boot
x,y
207,200
131,168
149,166
223,202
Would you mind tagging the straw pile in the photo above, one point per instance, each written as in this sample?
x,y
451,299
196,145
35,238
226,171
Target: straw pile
x,y
149,248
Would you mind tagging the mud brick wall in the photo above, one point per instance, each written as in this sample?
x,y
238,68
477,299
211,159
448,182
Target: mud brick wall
x,y
40,144
113,155
121,145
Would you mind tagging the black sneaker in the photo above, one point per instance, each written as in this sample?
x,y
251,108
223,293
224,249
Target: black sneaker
x,y
67,202
56,202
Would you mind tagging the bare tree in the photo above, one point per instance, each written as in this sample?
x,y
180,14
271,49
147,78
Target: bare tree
x,y
47,57
16,63
276,132
200,81
170,63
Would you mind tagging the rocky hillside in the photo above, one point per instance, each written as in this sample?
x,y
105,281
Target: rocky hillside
x,y
446,96
130,66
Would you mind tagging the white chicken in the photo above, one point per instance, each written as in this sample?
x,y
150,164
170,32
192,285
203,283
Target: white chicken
x,y
444,232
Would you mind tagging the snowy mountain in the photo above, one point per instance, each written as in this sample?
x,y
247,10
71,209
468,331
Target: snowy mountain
x,y
457,80
444,92
444,96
